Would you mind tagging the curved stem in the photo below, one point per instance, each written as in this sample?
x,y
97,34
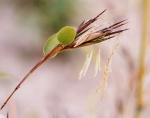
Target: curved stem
x,y
56,50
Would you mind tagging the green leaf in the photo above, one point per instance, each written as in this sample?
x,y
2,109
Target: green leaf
x,y
66,35
50,44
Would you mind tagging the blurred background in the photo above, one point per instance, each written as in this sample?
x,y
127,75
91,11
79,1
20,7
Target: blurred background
x,y
53,90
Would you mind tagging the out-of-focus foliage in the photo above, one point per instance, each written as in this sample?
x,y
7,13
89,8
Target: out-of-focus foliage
x,y
140,89
4,75
1,116
50,15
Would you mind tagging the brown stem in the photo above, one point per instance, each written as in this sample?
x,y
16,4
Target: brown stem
x,y
56,50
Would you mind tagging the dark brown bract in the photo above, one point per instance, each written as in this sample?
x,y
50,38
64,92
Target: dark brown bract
x,y
89,34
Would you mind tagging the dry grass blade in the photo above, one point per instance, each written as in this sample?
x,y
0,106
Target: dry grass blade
x,y
86,65
98,63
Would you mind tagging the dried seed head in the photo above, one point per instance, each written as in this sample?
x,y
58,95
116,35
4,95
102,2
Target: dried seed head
x,y
103,81
86,65
98,63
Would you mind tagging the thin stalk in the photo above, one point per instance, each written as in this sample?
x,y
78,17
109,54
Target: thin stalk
x,y
140,103
56,50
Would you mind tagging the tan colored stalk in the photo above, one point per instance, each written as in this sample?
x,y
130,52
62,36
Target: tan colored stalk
x,y
140,103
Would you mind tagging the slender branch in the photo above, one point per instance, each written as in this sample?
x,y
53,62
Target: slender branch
x,y
56,50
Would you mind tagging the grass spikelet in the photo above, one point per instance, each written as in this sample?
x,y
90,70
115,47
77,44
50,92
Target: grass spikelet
x,y
83,38
86,34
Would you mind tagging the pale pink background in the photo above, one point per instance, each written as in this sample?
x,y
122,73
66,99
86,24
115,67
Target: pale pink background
x,y
54,88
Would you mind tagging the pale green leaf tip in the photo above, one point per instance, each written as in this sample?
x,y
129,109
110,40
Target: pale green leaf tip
x,y
66,35
50,44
